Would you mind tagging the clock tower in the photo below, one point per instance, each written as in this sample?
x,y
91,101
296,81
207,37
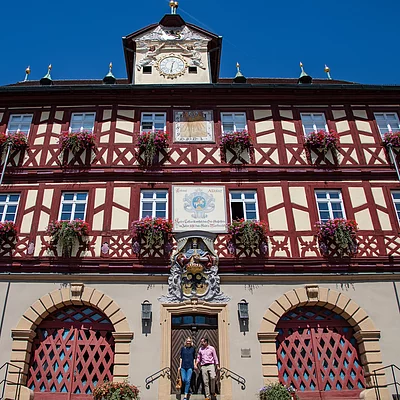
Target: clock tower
x,y
172,52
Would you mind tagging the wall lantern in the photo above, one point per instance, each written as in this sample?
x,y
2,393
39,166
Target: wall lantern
x,y
146,312
243,310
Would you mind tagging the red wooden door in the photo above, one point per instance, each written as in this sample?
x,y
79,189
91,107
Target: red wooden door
x,y
317,354
72,352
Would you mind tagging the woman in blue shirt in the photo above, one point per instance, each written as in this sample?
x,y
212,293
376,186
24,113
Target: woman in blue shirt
x,y
186,364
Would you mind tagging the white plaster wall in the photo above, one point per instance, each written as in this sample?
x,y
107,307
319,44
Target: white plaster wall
x,y
377,299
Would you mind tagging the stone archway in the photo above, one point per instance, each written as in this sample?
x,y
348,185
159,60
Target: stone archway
x,y
76,294
366,333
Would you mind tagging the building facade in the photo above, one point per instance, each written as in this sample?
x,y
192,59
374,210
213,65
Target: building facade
x,y
118,303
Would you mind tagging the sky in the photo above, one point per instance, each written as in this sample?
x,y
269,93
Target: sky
x,y
357,39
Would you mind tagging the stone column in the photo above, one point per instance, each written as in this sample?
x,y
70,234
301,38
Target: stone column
x,y
122,355
268,356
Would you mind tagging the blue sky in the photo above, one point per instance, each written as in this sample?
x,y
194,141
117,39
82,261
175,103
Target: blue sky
x,y
357,39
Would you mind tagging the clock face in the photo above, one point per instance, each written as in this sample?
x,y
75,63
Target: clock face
x,y
172,66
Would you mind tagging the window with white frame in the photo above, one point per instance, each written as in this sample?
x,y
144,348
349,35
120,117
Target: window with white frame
x,y
19,123
243,205
73,206
396,202
233,122
153,122
154,203
387,122
8,206
330,204
313,122
82,122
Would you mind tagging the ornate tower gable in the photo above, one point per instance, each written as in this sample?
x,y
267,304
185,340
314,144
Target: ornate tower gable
x,y
172,52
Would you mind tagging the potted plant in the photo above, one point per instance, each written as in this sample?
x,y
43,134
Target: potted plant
x,y
8,233
276,391
391,139
150,144
76,141
321,144
252,235
151,232
16,141
67,233
116,391
337,235
236,143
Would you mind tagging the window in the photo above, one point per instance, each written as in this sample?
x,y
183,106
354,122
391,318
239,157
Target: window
x,y
313,122
19,123
233,122
192,70
153,122
82,122
147,69
73,206
387,122
8,207
154,203
244,205
396,201
330,204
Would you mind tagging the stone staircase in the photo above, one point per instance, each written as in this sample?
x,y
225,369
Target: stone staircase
x,y
191,397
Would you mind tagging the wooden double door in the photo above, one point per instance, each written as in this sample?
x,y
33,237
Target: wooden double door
x,y
72,352
317,354
195,326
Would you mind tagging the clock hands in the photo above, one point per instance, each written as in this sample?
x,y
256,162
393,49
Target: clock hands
x,y
172,66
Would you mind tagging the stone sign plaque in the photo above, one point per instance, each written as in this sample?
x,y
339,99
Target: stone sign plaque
x,y
199,208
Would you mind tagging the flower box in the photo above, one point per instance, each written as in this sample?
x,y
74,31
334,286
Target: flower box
x,y
149,233
337,237
150,145
17,141
8,234
116,391
236,147
322,147
67,234
74,144
248,235
391,139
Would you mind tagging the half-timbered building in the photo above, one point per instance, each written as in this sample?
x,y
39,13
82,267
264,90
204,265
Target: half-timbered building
x,y
115,298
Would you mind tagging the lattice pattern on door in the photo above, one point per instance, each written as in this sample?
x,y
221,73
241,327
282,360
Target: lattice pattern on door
x,y
72,352
317,352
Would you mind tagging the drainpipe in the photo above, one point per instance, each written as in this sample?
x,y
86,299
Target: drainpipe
x,y
393,159
5,163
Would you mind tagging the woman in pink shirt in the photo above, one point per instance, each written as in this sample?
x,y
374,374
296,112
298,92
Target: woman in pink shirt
x,y
208,360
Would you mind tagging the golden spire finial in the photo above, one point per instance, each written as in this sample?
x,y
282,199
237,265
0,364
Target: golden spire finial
x,y
27,72
50,67
174,5
110,66
238,66
328,72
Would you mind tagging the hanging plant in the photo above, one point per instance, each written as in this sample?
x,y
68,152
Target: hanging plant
x,y
67,233
76,141
8,231
276,391
237,142
16,140
116,391
339,231
250,234
152,231
323,140
392,139
150,144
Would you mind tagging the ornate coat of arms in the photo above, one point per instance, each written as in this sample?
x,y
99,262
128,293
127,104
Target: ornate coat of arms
x,y
194,272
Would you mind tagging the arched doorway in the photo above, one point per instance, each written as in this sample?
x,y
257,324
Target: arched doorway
x,y
72,352
317,354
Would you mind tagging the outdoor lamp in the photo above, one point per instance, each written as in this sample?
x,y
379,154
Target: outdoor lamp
x,y
243,311
146,312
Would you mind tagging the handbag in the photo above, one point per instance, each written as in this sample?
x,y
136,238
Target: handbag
x,y
178,384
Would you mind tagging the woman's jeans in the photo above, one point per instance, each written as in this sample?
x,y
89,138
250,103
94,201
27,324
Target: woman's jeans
x,y
186,378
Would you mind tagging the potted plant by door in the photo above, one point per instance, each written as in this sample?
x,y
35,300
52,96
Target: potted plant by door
x,y
277,391
116,391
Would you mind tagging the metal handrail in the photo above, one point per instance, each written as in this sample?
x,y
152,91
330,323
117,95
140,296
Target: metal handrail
x,y
159,374
394,383
5,381
227,373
